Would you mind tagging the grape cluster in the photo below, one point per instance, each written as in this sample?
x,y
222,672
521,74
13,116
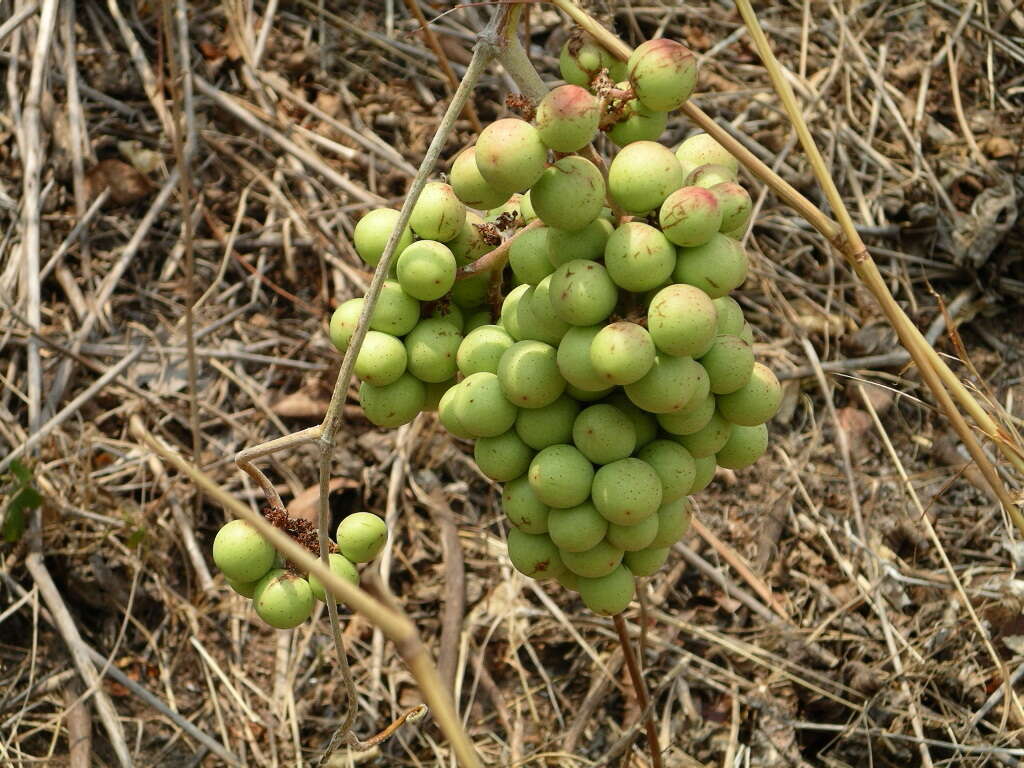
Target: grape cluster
x,y
617,372
282,595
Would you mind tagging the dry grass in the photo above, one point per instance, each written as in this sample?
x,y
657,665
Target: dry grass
x,y
835,605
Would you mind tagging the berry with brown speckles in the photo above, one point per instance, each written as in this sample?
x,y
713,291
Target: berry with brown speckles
x,y
470,186
642,175
690,216
663,74
717,267
622,353
510,154
438,213
639,257
567,118
582,292
534,555
570,194
426,270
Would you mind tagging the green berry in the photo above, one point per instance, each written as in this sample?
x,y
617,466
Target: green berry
x,y
708,176
631,538
534,555
567,118
561,476
708,440
470,186
622,353
446,414
730,316
682,321
536,317
582,58
734,203
450,313
381,359
598,561
693,418
636,122
574,358
241,552
373,231
482,349
744,446
663,74
669,386
717,267
756,401
504,457
438,213
361,536
548,425
283,600
626,492
432,346
344,321
747,333
510,311
396,403
582,293
472,291
644,423
478,319
244,588
482,408
510,154
470,244
396,312
646,562
639,257
673,521
569,194
587,396
528,372
729,363
642,175
587,243
674,466
568,580
426,270
577,529
690,216
706,466
702,149
522,507
528,256
434,392
610,594
604,434
341,567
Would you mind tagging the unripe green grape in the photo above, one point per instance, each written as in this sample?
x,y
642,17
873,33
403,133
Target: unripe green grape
x,y
642,175
537,318
663,74
708,176
717,267
344,321
669,386
426,270
622,353
569,194
478,319
504,457
747,334
450,313
528,256
610,594
396,312
438,213
729,364
241,552
567,118
598,561
682,321
582,292
737,234
706,466
244,588
534,555
568,580
510,311
604,434
432,346
574,358
673,522
361,536
588,243
472,291
394,404
586,396
734,203
646,562
510,154
708,440
469,244
744,446
626,492
482,349
549,425
481,407
381,359
577,529
639,257
522,507
341,567
756,401
730,316
470,186
446,414
644,424
637,123
283,600
561,476
373,231
693,418
631,538
703,149
582,59
526,208
690,216
528,372
434,392
674,466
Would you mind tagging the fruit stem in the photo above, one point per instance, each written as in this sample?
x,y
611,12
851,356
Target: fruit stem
x,y
640,689
497,258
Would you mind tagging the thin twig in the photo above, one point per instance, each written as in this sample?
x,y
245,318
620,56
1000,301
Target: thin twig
x,y
640,688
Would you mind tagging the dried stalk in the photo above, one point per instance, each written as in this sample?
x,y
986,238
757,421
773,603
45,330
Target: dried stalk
x,y
640,689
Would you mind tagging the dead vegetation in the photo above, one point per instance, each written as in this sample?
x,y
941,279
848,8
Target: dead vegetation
x,y
854,599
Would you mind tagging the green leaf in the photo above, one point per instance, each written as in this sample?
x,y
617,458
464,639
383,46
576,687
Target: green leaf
x,y
15,521
23,473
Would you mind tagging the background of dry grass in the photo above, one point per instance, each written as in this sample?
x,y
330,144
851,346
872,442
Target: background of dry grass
x,y
812,620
